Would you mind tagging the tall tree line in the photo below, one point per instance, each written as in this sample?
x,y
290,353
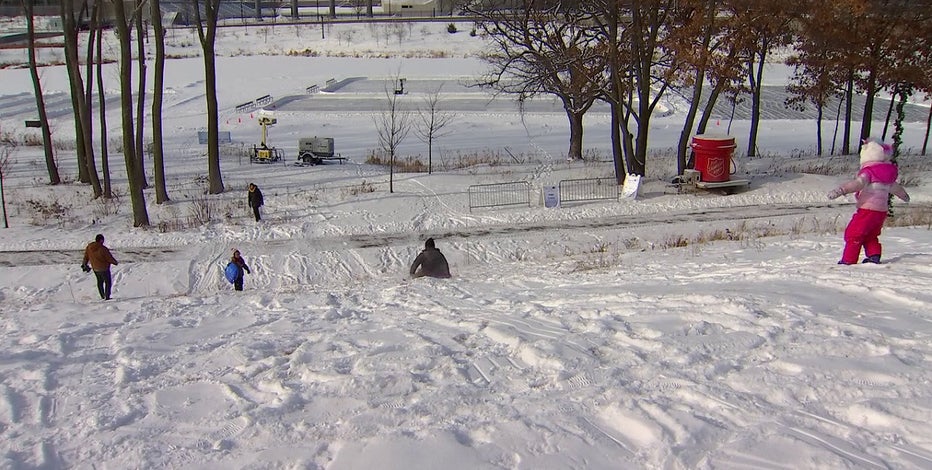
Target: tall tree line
x,y
631,54
706,50
127,17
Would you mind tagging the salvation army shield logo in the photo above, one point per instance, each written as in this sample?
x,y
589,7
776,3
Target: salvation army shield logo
x,y
716,168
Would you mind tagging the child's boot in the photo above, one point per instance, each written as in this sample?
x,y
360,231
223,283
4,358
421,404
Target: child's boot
x,y
874,259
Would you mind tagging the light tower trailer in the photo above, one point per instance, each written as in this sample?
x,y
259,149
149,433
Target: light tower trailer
x,y
316,150
263,153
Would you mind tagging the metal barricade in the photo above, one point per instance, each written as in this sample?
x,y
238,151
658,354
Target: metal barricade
x,y
499,194
590,189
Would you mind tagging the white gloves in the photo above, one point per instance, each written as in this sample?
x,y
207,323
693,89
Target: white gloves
x,y
835,193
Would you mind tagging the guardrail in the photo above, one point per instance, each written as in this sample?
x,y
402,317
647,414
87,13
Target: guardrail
x,y
263,100
499,194
246,107
252,105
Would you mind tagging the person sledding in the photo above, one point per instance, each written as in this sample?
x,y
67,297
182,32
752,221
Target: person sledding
x,y
430,262
235,270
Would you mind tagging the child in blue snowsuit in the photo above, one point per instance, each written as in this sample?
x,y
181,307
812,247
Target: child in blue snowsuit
x,y
239,261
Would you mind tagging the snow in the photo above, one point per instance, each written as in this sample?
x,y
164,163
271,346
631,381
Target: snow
x,y
678,330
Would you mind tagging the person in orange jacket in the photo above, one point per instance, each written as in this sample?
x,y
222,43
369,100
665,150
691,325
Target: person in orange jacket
x,y
98,257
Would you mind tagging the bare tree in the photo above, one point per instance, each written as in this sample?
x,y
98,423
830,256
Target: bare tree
x,y
140,213
699,40
207,33
432,123
54,177
640,68
4,164
819,71
392,126
608,22
769,24
161,192
545,48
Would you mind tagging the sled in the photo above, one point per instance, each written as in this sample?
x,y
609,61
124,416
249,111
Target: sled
x,y
232,271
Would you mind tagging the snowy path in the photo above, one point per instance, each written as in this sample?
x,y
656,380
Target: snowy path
x,y
360,241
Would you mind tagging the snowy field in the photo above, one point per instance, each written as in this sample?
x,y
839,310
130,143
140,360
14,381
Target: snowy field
x,y
678,330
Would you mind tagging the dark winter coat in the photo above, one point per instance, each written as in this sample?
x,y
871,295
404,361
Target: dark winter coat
x,y
255,197
432,263
99,257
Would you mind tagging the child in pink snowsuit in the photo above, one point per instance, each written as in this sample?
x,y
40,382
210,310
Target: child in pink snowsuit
x,y
872,187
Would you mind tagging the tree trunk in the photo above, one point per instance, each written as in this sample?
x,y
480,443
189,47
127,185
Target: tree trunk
x,y
161,192
213,123
868,105
89,102
645,92
576,134
140,214
886,122
51,166
683,144
207,33
627,142
102,98
837,121
849,101
82,140
756,89
618,156
925,141
709,107
141,99
819,130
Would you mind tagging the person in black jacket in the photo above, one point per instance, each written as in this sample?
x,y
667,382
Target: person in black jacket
x,y
430,262
255,199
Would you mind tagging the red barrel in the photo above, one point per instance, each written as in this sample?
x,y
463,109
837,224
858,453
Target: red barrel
x,y
713,156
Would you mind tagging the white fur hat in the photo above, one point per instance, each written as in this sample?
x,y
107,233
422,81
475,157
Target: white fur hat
x,y
874,151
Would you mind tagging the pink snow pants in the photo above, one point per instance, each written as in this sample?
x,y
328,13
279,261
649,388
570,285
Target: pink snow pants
x,y
863,231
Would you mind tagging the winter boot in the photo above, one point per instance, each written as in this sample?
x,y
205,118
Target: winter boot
x,y
874,259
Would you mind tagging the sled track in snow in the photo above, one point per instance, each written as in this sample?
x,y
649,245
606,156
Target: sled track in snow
x,y
362,241
666,218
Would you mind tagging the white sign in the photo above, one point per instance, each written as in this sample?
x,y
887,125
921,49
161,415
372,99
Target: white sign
x,y
631,187
551,196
